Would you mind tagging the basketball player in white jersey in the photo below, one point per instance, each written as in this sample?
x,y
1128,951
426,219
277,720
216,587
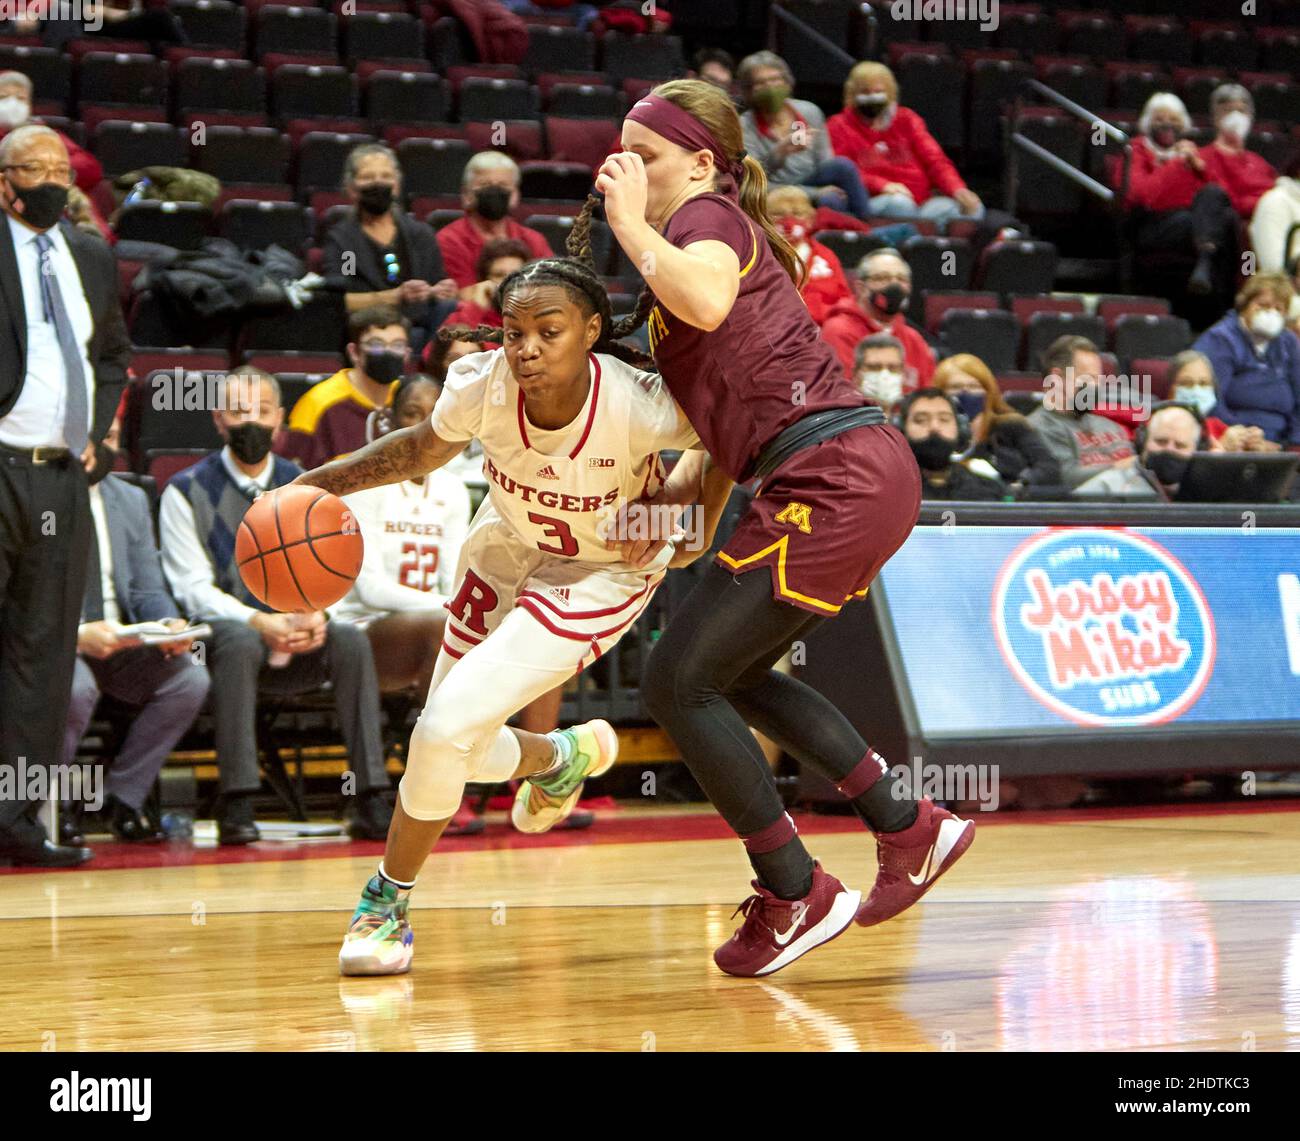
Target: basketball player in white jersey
x,y
569,431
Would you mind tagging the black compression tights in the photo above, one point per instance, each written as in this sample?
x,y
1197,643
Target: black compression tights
x,y
710,677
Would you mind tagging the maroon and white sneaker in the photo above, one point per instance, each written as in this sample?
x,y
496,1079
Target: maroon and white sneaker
x,y
777,931
913,859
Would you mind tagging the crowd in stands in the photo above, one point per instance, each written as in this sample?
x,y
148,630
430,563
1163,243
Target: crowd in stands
x,y
867,183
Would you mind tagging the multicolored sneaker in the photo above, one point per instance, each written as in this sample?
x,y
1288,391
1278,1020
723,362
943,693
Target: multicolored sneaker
x,y
379,940
912,860
778,931
543,802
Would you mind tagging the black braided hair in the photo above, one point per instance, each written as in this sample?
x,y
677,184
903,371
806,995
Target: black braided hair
x,y
408,382
584,288
578,243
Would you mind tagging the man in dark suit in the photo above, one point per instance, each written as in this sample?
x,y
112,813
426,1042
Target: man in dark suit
x,y
124,585
63,359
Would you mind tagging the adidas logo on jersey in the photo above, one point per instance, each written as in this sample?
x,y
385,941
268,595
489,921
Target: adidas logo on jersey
x,y
561,592
600,461
548,472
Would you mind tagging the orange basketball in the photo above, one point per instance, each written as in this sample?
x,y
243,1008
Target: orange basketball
x,y
298,548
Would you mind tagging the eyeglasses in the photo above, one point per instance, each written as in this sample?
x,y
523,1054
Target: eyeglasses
x,y
375,346
888,278
393,268
40,172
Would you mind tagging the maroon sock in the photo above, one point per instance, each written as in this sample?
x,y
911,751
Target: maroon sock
x,y
882,802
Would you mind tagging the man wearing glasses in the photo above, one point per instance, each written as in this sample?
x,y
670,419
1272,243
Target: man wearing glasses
x,y
331,418
63,360
882,287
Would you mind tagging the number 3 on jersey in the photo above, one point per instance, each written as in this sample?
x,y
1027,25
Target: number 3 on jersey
x,y
419,572
554,528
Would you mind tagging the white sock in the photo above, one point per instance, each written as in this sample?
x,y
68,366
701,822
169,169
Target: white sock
x,y
399,884
564,751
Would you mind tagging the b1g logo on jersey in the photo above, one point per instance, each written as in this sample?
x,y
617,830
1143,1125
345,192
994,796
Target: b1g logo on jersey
x,y
1104,627
600,461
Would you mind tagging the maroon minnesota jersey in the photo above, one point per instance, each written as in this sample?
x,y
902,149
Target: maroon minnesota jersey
x,y
765,366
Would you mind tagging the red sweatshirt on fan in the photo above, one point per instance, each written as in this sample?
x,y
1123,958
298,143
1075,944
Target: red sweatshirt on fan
x,y
903,152
1158,186
1245,176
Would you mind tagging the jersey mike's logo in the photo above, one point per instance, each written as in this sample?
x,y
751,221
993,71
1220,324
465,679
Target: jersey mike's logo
x,y
1104,627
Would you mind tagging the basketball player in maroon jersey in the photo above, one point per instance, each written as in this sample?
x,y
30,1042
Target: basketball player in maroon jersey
x,y
840,492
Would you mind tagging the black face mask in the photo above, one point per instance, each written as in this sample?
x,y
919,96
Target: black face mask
x,y
250,442
43,205
492,202
105,458
384,366
1168,467
376,199
890,299
871,105
934,452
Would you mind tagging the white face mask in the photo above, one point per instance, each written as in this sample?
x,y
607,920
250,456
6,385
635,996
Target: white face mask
x,y
883,385
14,111
1267,323
1237,124
1198,396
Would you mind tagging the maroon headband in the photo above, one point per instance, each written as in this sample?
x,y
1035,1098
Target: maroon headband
x,y
665,118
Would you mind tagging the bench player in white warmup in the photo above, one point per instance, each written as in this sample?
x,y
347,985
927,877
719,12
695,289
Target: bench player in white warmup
x,y
570,430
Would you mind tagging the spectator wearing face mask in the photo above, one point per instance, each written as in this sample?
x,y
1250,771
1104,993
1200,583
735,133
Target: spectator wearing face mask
x,y
1245,175
879,371
251,648
1002,441
1276,213
1083,443
382,255
903,169
1191,382
1256,361
489,190
788,137
882,286
329,419
1173,204
1165,446
16,111
930,421
793,214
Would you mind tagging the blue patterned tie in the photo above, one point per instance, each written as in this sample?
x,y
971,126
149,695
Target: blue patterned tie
x,y
76,411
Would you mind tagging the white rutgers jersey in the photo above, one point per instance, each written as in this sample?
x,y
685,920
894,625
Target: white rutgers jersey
x,y
555,488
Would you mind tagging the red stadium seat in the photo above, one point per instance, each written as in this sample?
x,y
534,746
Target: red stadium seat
x,y
1110,307
940,302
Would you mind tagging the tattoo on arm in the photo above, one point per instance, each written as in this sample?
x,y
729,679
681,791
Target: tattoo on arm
x,y
400,455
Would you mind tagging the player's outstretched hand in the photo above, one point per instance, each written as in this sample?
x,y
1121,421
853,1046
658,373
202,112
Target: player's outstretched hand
x,y
621,179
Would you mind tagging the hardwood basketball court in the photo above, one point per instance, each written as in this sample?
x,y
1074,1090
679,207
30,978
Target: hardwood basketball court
x,y
1161,929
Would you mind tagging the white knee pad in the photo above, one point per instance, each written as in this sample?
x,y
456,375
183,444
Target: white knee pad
x,y
440,763
437,770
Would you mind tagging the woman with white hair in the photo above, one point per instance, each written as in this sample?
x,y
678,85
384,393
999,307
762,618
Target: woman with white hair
x,y
1174,204
1242,173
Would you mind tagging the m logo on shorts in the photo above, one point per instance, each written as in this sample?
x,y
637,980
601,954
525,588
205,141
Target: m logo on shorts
x,y
800,514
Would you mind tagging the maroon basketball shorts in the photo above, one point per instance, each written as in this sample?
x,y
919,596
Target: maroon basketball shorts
x,y
830,517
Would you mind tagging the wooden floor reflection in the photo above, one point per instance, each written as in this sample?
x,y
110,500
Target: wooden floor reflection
x,y
1116,935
